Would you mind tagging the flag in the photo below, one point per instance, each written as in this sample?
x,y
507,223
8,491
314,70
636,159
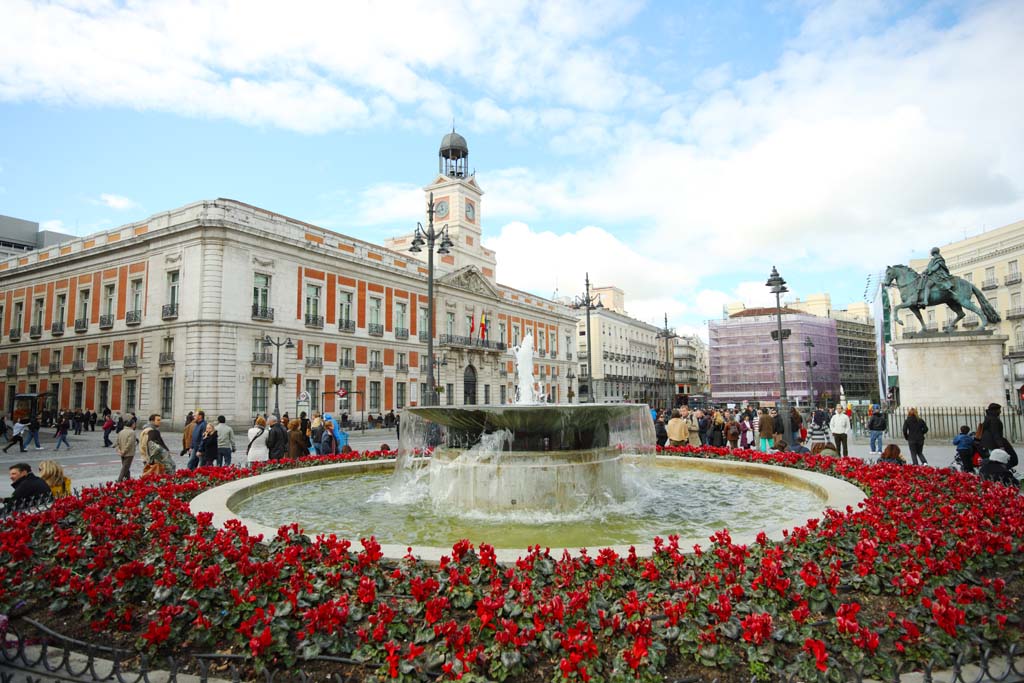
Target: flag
x,y
472,324
483,325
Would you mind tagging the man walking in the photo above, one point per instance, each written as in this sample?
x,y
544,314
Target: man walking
x,y
876,427
17,436
839,425
33,432
277,440
225,441
125,445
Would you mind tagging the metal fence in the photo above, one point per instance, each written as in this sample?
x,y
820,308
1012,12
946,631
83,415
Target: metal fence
x,y
943,423
32,653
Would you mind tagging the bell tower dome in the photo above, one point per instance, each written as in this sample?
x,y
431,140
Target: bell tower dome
x,y
453,157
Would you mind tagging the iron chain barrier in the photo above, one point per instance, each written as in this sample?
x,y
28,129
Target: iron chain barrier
x,y
943,423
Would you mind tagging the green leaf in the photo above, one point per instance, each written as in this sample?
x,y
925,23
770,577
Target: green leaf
x,y
59,605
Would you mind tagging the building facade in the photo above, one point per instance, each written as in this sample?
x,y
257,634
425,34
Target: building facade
x,y
690,365
169,315
18,236
744,359
630,360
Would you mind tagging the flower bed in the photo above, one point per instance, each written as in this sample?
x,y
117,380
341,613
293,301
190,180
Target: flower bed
x,y
930,562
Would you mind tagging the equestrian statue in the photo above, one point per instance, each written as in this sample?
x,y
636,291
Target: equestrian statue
x,y
935,285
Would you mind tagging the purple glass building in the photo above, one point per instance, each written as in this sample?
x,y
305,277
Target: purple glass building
x,y
744,359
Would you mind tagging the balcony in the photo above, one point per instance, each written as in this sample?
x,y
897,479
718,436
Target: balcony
x,y
424,337
262,313
167,358
314,362
452,340
568,355
262,358
133,317
991,283
541,353
15,333
35,332
78,365
131,362
12,371
169,312
33,368
1012,279
82,325
376,366
57,329
503,372
401,333
402,367
106,321
315,321
55,368
346,325
103,364
347,364
375,330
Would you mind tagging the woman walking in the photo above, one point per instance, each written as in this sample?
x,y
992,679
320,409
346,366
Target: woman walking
x,y
63,427
914,429
257,450
766,430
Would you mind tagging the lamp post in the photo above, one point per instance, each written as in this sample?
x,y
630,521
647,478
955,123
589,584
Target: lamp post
x,y
428,237
278,380
668,335
588,302
778,287
570,377
810,371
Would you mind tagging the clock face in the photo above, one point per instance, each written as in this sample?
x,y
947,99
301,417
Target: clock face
x,y
441,209
470,211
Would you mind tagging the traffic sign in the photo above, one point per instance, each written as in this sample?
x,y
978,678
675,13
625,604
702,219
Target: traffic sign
x,y
342,393
304,397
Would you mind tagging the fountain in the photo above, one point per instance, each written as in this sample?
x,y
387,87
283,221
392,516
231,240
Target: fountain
x,y
564,476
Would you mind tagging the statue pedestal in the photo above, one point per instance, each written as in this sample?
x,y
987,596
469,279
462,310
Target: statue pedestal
x,y
958,369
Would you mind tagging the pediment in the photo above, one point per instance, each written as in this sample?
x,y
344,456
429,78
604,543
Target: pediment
x,y
470,279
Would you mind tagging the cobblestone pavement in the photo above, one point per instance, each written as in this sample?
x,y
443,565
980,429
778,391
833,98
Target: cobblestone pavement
x,y
88,463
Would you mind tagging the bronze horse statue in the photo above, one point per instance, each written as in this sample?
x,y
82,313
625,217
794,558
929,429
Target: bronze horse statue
x,y
959,298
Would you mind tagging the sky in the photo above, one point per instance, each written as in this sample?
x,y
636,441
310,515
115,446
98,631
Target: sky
x,y
677,150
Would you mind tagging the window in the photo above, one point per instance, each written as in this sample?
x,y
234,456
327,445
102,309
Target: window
x,y
501,332
55,358
423,391
374,396
16,320
83,304
133,349
969,277
469,325
515,335
104,394
1018,333
400,395
449,324
313,351
424,328
540,341
37,313
166,397
1015,301
401,314
76,401
130,395
172,287
136,295
374,356
105,352
487,394
449,391
108,299
1013,268
401,361
346,355
313,389
345,306
375,311
61,309
261,291
312,300
503,393
168,345
80,354
990,273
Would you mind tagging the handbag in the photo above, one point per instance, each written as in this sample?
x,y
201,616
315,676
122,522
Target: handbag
x,y
262,429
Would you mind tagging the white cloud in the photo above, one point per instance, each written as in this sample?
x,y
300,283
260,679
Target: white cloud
x,y
55,224
116,201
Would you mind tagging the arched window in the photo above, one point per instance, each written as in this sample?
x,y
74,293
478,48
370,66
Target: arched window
x,y
469,386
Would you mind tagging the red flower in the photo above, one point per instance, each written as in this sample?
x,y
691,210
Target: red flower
x,y
817,649
757,628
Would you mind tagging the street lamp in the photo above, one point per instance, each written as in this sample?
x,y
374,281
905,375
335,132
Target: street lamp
x,y
588,302
428,237
778,287
570,377
668,335
278,380
810,371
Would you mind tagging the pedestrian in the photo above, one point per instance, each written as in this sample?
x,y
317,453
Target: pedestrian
x,y
108,427
3,426
796,425
155,455
732,433
703,427
877,424
186,434
892,455
676,431
63,426
965,445
316,433
93,419
914,429
766,430
328,442
18,436
716,433
819,427
277,439
76,421
992,436
29,489
225,441
298,445
119,425
33,432
257,450
208,446
660,433
196,445
996,468
53,474
840,427
125,446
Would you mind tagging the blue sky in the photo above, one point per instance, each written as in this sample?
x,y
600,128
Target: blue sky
x,y
677,150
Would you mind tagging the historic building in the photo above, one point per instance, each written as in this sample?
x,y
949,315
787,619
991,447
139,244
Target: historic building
x,y
690,361
169,314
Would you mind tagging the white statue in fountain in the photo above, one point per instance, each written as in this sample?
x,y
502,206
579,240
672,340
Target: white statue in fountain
x,y
528,390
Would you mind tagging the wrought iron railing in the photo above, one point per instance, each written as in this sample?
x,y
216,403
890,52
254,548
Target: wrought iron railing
x,y
262,358
55,368
401,333
316,321
424,337
991,283
15,334
346,325
169,311
943,423
33,368
57,329
375,330
82,325
12,371
106,321
167,358
131,362
402,367
133,317
103,364
1013,278
347,364
78,365
314,362
262,313
470,342
35,332
376,366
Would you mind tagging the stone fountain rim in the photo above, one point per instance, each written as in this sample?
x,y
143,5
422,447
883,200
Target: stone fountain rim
x,y
835,494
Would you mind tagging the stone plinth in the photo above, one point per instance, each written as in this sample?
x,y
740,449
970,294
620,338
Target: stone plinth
x,y
958,369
